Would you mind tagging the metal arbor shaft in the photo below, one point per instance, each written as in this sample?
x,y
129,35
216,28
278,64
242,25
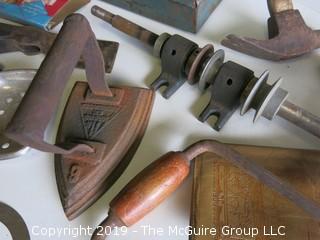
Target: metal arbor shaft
x,y
126,26
300,117
217,74
271,100
181,59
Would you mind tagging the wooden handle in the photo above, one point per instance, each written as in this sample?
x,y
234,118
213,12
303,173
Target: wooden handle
x,y
276,6
150,188
125,26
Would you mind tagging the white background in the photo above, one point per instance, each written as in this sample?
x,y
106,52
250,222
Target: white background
x,y
28,183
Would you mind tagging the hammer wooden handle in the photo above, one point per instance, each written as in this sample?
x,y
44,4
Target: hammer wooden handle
x,y
276,6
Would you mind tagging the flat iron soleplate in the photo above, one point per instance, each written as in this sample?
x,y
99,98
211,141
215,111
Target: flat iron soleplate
x,y
13,85
114,126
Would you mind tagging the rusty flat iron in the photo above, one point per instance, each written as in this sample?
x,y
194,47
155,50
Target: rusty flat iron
x,y
13,85
33,41
289,36
101,127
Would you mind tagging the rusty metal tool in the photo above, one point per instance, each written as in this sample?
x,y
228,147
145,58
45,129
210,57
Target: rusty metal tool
x,y
101,126
32,41
14,222
161,178
13,85
289,36
231,84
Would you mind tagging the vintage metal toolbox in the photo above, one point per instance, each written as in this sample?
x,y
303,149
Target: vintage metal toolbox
x,y
188,15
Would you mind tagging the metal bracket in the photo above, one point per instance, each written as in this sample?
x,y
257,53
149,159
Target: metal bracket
x,y
226,91
174,55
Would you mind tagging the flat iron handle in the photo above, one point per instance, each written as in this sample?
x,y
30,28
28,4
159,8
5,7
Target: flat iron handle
x,y
42,98
276,6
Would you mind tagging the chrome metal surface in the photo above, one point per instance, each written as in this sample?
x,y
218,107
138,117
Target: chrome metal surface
x,y
251,91
211,69
263,103
13,85
300,117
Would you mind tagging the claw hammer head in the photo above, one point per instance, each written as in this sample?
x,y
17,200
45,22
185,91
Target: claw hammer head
x,y
289,36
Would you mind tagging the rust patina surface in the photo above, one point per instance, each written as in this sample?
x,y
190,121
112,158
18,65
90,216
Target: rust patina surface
x,y
101,127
